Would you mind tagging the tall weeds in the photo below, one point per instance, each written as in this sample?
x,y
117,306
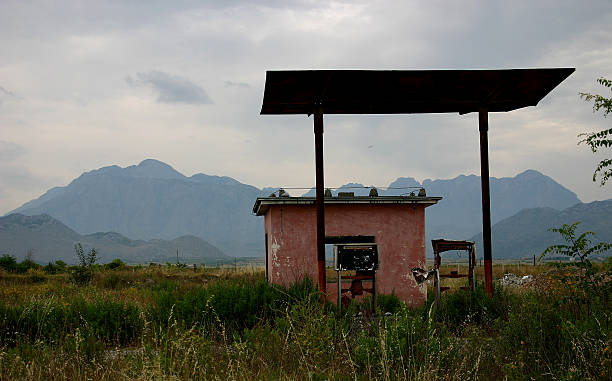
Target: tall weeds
x,y
245,329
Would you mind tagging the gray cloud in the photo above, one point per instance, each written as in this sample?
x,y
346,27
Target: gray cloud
x,y
7,94
55,53
10,151
171,88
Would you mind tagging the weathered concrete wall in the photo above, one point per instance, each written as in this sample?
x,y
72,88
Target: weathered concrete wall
x,y
399,230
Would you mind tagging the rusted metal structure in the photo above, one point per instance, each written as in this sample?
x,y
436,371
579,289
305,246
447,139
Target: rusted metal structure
x,y
320,92
442,245
361,258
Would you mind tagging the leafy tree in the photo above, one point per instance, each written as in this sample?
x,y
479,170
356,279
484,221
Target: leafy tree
x,y
603,138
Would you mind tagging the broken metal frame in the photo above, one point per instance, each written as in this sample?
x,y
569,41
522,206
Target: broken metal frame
x,y
315,92
442,245
368,274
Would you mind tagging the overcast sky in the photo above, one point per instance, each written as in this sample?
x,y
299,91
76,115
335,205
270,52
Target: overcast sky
x,y
89,84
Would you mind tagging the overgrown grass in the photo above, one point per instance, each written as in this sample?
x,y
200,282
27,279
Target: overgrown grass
x,y
178,323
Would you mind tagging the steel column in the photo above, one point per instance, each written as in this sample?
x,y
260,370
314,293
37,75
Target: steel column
x,y
483,127
318,132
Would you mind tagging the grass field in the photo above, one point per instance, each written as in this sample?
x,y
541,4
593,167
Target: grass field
x,y
179,323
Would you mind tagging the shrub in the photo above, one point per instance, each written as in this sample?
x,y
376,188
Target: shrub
x,y
464,306
36,276
115,264
8,263
81,274
26,265
55,268
388,303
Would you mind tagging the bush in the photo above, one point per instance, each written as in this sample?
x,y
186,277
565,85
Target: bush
x,y
464,307
55,268
36,276
8,263
388,303
81,274
115,264
26,265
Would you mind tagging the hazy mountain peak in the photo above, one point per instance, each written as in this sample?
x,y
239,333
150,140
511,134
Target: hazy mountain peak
x,y
403,182
152,168
530,172
148,168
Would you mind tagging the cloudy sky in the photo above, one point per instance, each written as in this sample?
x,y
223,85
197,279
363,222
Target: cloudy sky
x,y
89,84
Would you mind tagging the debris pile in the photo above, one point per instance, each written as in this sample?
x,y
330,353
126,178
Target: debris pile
x,y
513,280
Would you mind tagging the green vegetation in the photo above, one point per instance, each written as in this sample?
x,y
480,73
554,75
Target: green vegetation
x,y
603,138
163,323
81,274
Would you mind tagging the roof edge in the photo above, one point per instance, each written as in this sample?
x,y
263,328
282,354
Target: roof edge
x,y
262,203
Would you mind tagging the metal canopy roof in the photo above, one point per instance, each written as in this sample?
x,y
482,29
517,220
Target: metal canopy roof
x,y
407,91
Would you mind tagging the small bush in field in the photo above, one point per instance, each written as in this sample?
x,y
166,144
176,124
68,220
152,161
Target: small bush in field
x,y
81,274
55,268
8,263
465,307
115,264
26,265
36,275
388,303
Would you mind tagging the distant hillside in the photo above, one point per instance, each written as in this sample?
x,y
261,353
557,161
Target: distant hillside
x,y
459,215
525,233
152,200
47,239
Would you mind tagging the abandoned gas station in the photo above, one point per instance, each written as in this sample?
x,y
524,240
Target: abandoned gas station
x,y
392,231
395,224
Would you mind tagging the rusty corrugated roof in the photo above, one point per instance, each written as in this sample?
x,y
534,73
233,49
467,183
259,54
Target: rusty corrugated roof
x,y
407,91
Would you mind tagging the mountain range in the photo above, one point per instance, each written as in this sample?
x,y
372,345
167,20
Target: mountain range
x,y
526,233
46,239
152,200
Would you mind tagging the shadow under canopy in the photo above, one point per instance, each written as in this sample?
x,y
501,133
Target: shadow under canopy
x,y
320,92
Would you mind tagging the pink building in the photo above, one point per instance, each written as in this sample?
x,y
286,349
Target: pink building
x,y
395,223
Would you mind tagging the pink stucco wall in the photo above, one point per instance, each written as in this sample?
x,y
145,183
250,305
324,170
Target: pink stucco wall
x,y
399,231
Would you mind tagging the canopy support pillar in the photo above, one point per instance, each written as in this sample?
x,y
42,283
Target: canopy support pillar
x,y
318,132
483,127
